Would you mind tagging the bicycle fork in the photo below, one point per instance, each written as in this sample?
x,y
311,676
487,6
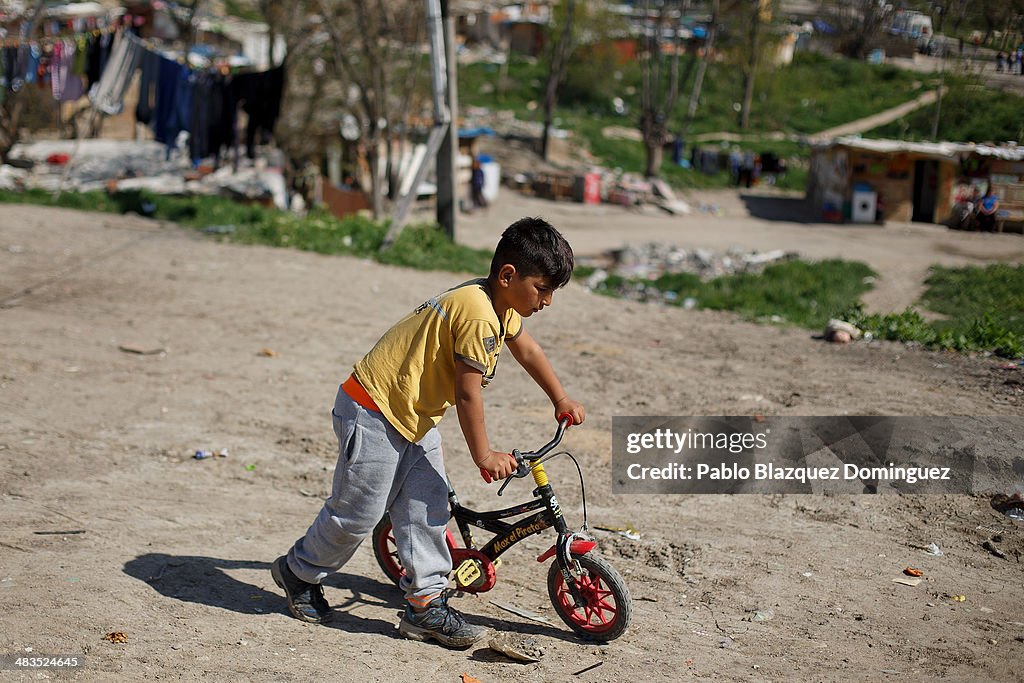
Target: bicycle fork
x,y
569,544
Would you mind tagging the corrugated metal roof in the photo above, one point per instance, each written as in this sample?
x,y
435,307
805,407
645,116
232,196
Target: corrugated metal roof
x,y
942,150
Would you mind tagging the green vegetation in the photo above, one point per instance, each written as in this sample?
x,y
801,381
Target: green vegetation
x,y
984,309
984,306
796,292
970,112
812,94
421,246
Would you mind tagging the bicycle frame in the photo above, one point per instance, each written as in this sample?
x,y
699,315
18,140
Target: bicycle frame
x,y
548,515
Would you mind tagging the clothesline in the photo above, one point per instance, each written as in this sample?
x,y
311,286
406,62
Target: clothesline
x,y
52,33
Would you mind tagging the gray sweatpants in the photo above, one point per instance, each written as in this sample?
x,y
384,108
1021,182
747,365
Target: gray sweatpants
x,y
379,470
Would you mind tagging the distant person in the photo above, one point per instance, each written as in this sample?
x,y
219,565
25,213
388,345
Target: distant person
x,y
1000,62
476,184
987,209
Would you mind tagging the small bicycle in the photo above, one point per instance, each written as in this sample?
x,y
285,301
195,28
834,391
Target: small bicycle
x,y
588,594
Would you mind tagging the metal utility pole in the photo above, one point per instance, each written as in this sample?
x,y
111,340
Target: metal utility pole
x,y
442,121
447,186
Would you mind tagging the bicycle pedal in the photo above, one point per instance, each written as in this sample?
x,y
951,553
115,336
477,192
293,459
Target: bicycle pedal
x,y
468,573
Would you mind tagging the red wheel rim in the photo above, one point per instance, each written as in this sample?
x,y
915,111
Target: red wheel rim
x,y
389,553
600,609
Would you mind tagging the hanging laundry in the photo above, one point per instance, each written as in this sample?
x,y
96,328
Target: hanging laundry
x,y
108,95
149,73
260,97
173,112
67,86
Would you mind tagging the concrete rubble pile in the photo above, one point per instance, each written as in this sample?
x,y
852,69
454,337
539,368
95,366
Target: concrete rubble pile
x,y
126,165
634,266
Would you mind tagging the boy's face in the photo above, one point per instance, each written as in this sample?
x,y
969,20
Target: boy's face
x,y
525,294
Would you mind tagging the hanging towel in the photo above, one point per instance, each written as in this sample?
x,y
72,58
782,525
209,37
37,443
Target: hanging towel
x,y
108,94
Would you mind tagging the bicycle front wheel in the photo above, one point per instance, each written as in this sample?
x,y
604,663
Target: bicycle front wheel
x,y
606,609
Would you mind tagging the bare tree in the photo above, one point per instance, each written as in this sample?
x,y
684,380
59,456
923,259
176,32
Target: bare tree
x,y
759,12
558,60
659,65
13,106
374,46
860,25
698,79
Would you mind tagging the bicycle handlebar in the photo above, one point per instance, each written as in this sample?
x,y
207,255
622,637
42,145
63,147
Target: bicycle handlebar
x,y
524,460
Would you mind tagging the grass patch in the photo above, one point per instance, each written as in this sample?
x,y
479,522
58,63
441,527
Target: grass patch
x,y
797,292
423,247
970,112
985,308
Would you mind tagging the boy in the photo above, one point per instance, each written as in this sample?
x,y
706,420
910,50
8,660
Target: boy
x,y
385,417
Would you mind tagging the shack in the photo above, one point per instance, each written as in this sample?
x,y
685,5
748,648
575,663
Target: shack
x,y
864,181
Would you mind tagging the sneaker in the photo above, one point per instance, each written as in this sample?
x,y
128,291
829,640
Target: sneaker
x,y
306,601
444,624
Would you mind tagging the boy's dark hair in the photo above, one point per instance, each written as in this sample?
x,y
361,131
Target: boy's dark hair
x,y
534,247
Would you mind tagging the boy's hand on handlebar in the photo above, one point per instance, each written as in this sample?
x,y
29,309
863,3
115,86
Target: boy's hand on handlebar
x,y
497,465
571,407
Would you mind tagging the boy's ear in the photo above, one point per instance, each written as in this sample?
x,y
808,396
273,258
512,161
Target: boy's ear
x,y
505,274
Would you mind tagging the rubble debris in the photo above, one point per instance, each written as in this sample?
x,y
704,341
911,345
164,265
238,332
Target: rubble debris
x,y
633,263
841,332
989,546
517,646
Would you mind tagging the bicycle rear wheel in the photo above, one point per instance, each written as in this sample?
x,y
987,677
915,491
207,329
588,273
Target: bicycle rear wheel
x,y
607,608
385,549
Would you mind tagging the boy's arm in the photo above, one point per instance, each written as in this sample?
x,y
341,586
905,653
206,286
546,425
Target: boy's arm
x,y
470,406
530,355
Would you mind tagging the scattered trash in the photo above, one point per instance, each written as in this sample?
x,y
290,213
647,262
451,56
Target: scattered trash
x,y
204,454
1010,505
933,550
142,349
521,612
959,598
267,353
759,616
807,574
989,546
910,571
725,642
116,637
518,647
219,229
904,581
625,266
589,668
629,531
69,532
841,332
250,468
466,678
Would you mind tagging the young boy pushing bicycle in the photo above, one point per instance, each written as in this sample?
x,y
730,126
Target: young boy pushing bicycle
x,y
385,417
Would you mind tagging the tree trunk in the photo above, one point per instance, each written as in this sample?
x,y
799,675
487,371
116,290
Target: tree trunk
x,y
556,72
654,156
698,79
748,77
10,118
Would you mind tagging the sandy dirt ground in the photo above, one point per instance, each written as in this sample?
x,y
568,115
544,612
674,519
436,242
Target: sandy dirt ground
x,y
109,524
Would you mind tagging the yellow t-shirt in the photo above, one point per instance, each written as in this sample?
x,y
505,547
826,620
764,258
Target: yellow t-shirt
x,y
410,372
